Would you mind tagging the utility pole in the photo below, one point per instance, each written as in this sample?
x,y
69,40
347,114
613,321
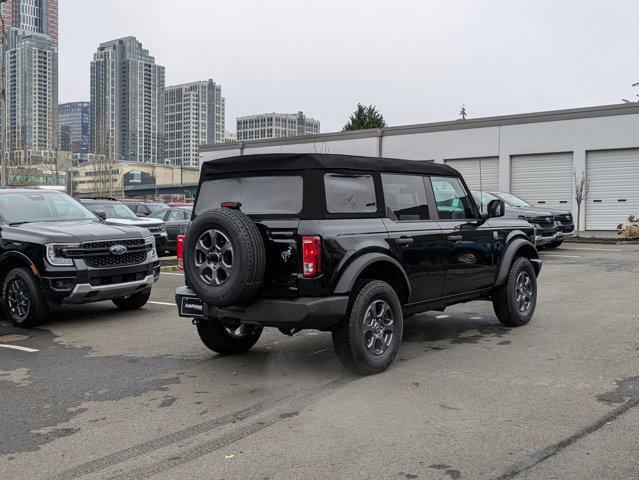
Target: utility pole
x,y
3,99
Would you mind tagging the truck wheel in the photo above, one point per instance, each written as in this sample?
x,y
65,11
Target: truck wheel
x,y
133,301
554,244
515,301
224,257
225,340
23,300
369,338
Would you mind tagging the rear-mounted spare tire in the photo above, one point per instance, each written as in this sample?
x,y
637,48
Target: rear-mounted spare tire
x,y
224,257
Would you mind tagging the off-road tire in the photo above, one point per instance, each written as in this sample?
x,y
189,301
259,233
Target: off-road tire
x,y
216,337
133,301
38,308
554,244
505,296
349,339
249,257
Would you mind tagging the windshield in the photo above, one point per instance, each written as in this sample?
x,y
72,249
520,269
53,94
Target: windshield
x,y
258,195
511,200
483,199
113,210
23,207
154,207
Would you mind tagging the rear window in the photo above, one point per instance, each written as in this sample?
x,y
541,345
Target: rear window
x,y
349,193
258,195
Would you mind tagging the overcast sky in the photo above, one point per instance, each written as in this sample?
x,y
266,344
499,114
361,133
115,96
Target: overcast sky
x,y
416,60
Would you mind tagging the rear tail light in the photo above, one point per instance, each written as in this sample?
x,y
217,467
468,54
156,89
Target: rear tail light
x,y
311,256
179,248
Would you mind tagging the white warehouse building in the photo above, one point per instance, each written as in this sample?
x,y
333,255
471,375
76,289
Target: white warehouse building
x,y
536,156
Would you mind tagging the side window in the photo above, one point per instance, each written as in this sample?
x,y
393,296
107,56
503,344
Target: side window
x,y
176,215
453,202
405,196
350,193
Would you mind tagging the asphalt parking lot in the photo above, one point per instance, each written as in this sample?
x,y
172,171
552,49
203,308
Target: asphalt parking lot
x,y
97,393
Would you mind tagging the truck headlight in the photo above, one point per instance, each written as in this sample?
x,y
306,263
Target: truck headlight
x,y
54,253
151,240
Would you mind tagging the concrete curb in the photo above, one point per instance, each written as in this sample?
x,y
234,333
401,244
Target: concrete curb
x,y
603,241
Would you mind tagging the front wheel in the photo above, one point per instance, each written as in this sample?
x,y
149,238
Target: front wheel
x,y
23,300
226,340
514,302
133,301
369,338
554,244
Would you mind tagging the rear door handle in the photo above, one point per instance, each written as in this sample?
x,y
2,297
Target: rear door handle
x,y
404,241
455,238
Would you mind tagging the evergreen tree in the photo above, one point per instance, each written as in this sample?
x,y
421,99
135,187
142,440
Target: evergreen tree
x,y
363,118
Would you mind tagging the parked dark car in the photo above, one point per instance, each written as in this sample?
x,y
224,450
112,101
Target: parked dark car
x,y
55,251
348,245
115,212
144,209
177,220
543,221
564,222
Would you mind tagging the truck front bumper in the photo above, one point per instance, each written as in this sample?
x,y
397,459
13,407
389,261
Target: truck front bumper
x,y
81,284
306,312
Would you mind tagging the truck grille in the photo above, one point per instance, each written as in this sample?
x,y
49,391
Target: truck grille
x,y
98,255
115,260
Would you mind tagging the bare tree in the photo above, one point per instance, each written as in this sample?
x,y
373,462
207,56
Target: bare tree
x,y
581,193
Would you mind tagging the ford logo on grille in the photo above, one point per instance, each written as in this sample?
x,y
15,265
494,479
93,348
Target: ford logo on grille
x,y
118,249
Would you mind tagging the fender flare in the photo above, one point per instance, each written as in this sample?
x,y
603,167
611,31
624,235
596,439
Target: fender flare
x,y
511,250
21,257
352,272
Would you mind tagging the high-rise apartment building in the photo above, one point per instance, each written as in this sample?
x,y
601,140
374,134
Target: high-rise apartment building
x,y
31,96
36,16
194,114
75,127
29,111
127,103
275,125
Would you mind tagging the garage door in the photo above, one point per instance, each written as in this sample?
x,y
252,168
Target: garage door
x,y
479,173
543,179
613,178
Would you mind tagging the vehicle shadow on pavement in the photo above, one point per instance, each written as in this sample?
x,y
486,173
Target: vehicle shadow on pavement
x,y
454,328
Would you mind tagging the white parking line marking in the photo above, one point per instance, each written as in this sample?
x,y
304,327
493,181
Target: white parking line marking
x,y
589,249
546,255
171,273
162,303
18,347
319,351
442,316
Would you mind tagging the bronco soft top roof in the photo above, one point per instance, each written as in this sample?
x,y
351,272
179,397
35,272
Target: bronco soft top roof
x,y
302,161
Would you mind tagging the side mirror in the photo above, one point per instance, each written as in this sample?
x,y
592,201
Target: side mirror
x,y
101,215
496,208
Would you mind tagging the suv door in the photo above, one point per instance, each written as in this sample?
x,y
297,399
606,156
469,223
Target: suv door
x,y
468,240
175,220
415,237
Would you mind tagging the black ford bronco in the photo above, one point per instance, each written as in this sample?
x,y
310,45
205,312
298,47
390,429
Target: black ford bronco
x,y
345,244
54,251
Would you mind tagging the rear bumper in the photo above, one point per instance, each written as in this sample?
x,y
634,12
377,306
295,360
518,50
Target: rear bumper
x,y
306,312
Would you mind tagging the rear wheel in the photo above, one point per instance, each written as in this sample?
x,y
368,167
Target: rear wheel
x,y
369,338
23,300
514,302
133,301
226,340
